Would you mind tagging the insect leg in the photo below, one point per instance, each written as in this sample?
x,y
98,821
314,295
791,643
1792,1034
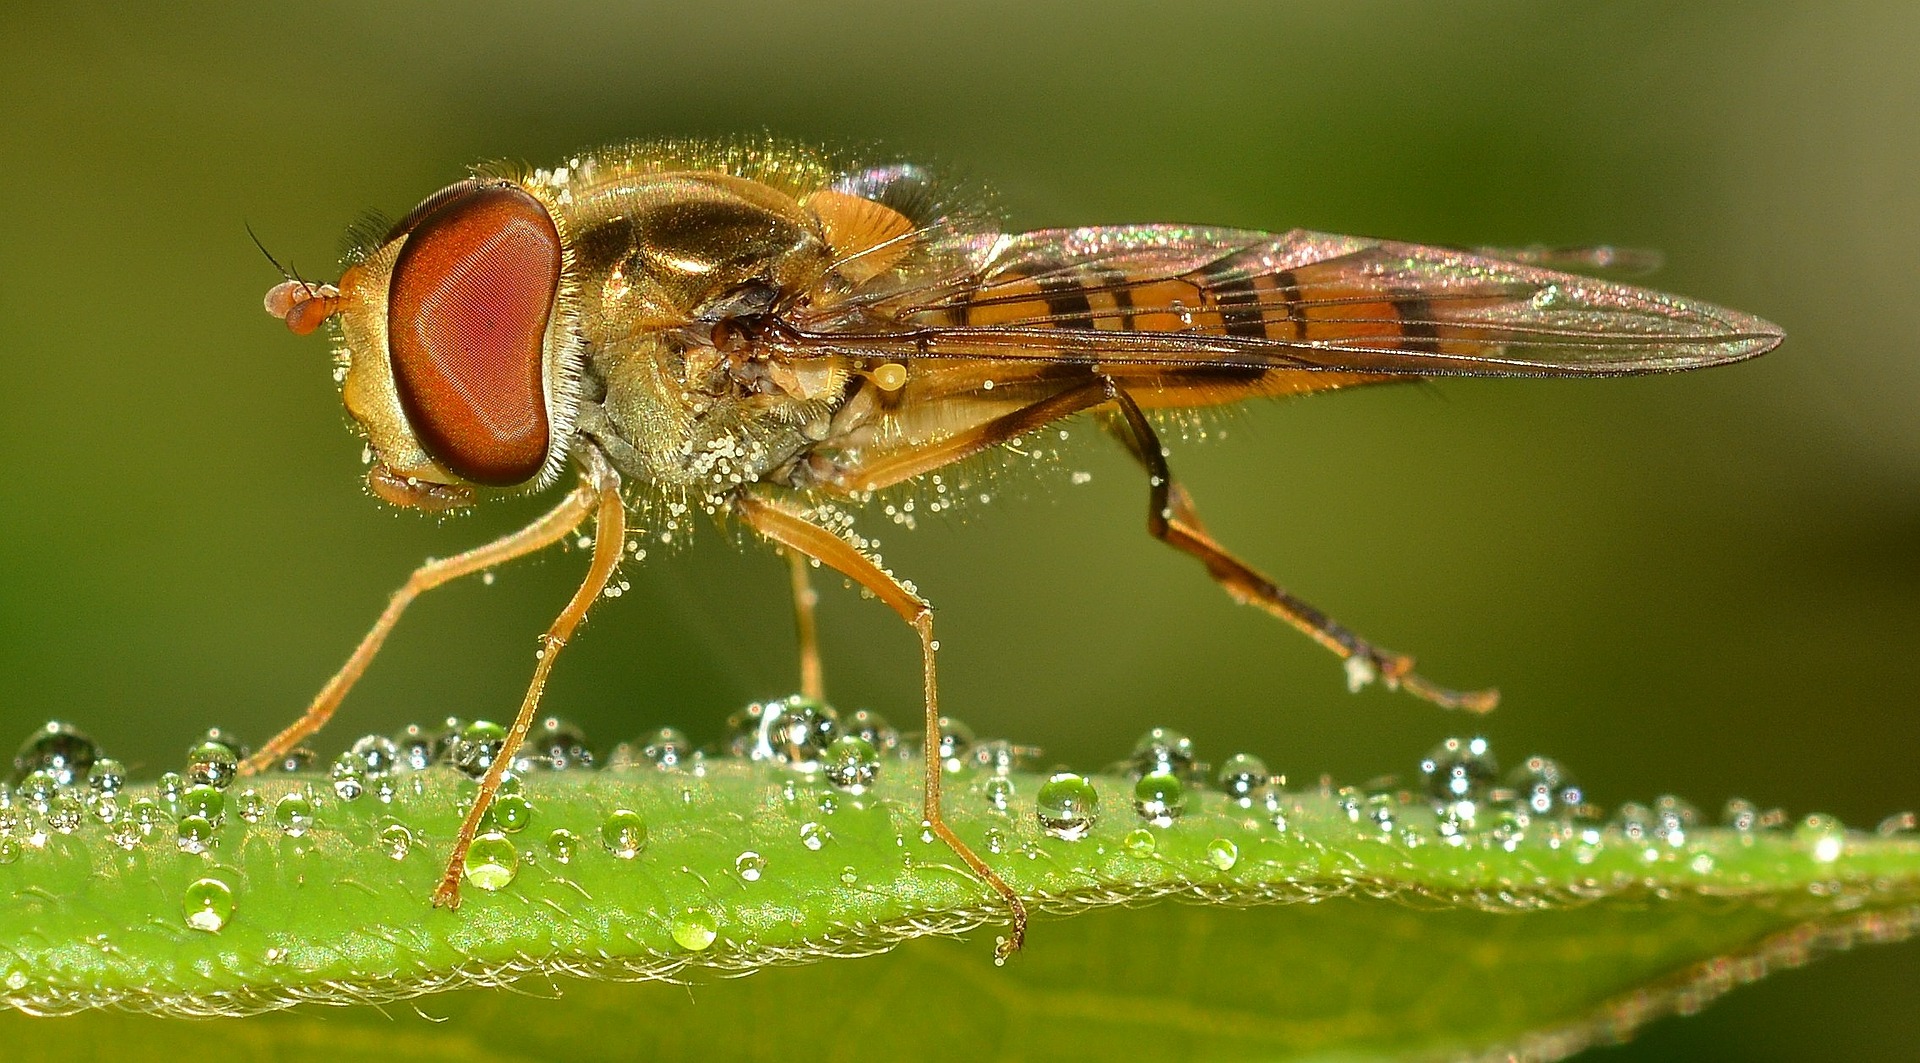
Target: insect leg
x,y
542,533
812,686
801,536
609,543
1172,520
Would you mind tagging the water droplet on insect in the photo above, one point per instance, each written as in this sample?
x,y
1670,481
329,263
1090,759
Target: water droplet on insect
x,y
349,777
106,777
206,802
852,764
1159,798
479,742
195,834
667,748
208,905
294,814
554,744
999,790
749,865
562,844
397,840
378,755
624,833
1241,778
491,862
793,731
1823,835
60,749
1459,772
813,836
1140,842
694,929
511,812
1223,854
1163,750
1067,806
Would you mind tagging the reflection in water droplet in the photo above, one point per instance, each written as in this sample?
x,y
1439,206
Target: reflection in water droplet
x,y
848,876
37,790
624,833
294,814
205,802
213,761
106,777
554,744
417,748
870,725
1140,842
492,861
349,777
208,905
1067,806
956,743
144,816
1163,750
562,844
378,755
1823,835
694,929
1241,777
852,764
397,840
65,813
1543,788
168,787
479,742
1000,792
749,865
996,840
1223,854
793,731
1159,798
253,807
511,812
9,850
195,834
1459,772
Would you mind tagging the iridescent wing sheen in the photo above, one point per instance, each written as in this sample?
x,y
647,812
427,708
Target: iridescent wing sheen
x,y
1221,302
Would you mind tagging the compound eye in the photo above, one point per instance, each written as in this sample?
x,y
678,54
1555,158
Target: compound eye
x,y
467,314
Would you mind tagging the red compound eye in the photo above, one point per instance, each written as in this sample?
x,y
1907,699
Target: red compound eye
x,y
467,313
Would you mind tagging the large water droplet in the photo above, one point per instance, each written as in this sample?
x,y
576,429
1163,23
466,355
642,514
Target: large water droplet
x,y
253,807
37,789
208,905
168,788
852,764
1163,750
397,840
1459,772
294,814
814,836
143,815
1223,854
667,748
870,725
624,833
60,749
206,802
195,834
378,755
106,777
349,776
212,762
1140,842
492,861
1241,777
417,748
511,813
749,865
1544,789
1160,798
554,744
695,929
794,731
956,743
1067,806
562,844
479,742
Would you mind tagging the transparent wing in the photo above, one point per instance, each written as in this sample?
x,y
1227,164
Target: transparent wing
x,y
1229,299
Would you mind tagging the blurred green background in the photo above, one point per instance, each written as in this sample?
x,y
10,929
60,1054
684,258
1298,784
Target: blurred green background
x,y
1703,584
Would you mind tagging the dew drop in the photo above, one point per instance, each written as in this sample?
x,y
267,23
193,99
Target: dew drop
x,y
9,851
294,814
1067,806
65,813
694,929
554,744
996,840
208,905
295,761
1634,821
349,777
253,807
1241,778
60,749
1159,798
749,865
999,790
37,790
417,748
1223,854
511,813
195,834
1544,789
205,802
562,844
168,787
624,833
479,742
870,725
144,815
814,836
1823,836
378,755
397,840
852,764
1165,751
794,731
215,760
1140,842
106,777
1741,816
1459,772
492,861
956,742
1672,818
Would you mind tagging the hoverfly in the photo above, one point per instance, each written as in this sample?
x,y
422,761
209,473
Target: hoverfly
x,y
760,331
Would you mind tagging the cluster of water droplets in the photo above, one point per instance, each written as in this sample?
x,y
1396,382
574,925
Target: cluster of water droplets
x,y
62,783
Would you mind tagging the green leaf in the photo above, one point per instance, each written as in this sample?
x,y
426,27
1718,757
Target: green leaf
x,y
1287,926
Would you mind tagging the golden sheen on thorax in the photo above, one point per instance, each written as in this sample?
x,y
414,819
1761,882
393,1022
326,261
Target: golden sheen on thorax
x,y
773,334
